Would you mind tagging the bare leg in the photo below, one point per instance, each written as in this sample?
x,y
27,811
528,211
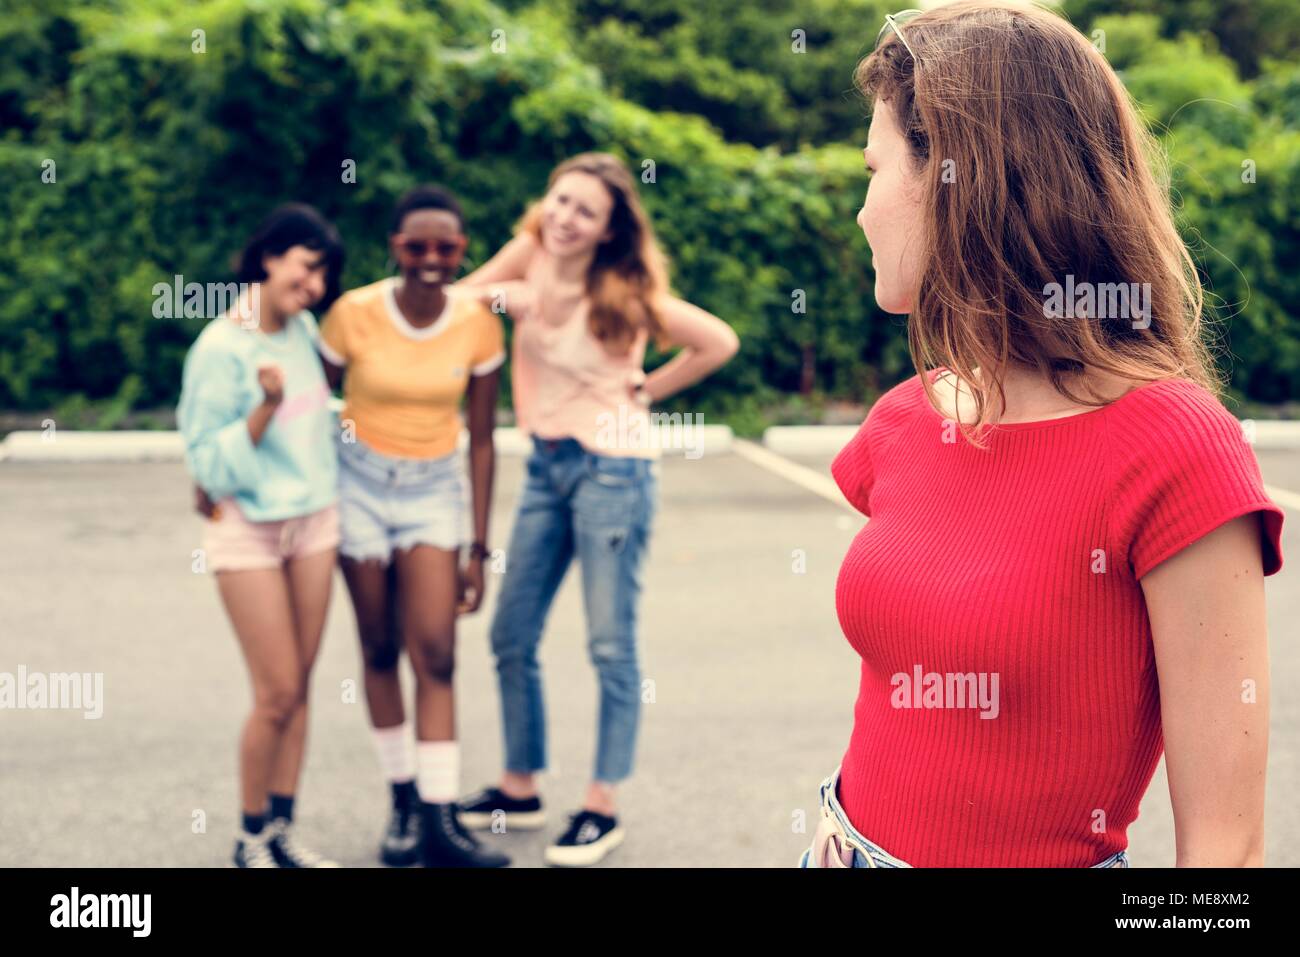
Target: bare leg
x,y
518,784
600,798
310,578
427,588
372,586
258,604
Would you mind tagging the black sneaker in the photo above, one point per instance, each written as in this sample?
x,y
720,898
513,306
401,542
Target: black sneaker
x,y
288,852
445,843
589,838
477,811
401,844
254,850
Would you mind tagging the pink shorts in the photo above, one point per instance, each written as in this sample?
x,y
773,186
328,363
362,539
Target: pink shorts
x,y
233,543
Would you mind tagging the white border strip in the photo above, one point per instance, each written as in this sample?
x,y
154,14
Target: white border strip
x,y
806,478
825,487
1265,434
73,445
1283,497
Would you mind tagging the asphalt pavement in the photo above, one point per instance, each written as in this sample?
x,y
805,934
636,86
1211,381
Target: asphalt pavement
x,y
753,683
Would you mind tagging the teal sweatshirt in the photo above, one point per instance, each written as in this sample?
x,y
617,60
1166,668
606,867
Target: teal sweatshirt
x,y
293,471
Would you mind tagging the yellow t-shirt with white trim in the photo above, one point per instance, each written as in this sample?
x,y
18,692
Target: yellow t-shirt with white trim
x,y
404,384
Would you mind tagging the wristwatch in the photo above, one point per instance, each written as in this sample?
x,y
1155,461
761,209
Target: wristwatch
x,y
478,550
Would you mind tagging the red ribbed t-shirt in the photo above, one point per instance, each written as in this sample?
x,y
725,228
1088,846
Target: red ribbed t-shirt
x,y
1012,574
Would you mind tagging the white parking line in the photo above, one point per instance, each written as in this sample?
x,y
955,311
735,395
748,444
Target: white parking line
x,y
814,481
823,485
1283,497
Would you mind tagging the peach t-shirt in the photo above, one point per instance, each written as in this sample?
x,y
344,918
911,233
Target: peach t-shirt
x,y
567,386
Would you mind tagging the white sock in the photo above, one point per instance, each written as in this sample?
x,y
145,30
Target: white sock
x,y
437,771
395,748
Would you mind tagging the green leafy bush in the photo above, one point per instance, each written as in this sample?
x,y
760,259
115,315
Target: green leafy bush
x,y
164,159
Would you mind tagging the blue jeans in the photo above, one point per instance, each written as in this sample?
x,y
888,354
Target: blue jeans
x,y
600,508
834,832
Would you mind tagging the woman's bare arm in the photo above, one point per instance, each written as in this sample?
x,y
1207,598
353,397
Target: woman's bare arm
x,y
1209,626
707,343
481,420
499,282
509,264
333,373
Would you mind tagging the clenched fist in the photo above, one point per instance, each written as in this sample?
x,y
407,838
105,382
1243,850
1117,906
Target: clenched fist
x,y
271,379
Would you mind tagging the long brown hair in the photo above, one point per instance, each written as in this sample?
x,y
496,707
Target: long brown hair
x,y
1035,167
629,271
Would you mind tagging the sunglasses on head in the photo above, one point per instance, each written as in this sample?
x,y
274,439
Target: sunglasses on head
x,y
892,22
419,248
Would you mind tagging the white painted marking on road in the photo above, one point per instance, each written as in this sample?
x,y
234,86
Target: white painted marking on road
x,y
824,485
800,475
1283,497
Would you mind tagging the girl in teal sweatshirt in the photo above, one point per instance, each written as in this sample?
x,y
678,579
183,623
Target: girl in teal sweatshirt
x,y
259,441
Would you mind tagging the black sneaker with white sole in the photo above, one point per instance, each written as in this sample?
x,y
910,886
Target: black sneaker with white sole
x,y
254,850
401,844
480,810
589,838
288,852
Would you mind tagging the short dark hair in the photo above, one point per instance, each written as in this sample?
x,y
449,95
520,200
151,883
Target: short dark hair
x,y
293,224
426,197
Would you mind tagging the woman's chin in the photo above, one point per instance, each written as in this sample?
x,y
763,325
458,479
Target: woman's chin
x,y
562,250
893,304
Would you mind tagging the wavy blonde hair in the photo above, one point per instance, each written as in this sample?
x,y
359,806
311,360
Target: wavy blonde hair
x,y
629,270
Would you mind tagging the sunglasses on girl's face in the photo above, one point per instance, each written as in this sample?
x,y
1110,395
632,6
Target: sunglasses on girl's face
x,y
419,248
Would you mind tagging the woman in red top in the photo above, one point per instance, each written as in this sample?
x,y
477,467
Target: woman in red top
x,y
1062,575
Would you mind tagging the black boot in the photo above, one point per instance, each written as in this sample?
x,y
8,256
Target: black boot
x,y
401,844
444,843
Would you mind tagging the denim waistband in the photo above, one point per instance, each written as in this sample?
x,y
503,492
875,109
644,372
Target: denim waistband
x,y
570,448
559,448
877,856
395,471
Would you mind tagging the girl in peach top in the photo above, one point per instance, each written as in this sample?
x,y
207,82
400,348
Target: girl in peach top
x,y
587,286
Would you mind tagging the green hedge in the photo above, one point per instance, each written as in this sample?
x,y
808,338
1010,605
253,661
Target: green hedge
x,y
165,159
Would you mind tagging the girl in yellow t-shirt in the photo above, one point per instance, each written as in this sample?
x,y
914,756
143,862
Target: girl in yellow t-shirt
x,y
407,354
